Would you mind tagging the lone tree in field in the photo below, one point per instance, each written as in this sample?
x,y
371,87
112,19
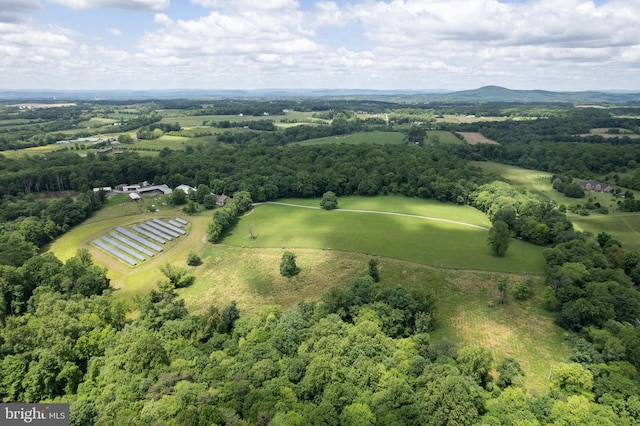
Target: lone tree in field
x,y
193,259
329,201
178,276
499,238
373,270
288,267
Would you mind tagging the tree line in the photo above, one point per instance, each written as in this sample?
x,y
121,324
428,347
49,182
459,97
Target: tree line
x,y
267,173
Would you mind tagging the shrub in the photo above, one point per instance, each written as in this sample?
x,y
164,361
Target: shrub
x,y
193,259
522,291
288,267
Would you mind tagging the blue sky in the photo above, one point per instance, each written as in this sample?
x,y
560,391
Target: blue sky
x,y
372,44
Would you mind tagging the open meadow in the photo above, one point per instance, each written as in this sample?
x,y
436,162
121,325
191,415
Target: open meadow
x,y
623,226
332,248
443,137
426,241
287,120
359,138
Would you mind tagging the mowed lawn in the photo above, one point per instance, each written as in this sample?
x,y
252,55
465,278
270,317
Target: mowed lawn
x,y
406,205
428,242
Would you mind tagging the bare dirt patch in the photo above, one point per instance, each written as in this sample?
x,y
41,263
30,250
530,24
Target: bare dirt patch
x,y
474,138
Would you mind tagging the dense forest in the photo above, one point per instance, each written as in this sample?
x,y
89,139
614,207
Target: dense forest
x,y
363,353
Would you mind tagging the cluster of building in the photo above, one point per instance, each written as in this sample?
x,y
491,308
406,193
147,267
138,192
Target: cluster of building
x,y
136,190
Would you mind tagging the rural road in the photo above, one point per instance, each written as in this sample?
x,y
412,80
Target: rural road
x,y
378,212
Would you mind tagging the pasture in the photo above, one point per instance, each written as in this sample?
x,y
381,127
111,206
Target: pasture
x,y
407,248
456,118
474,138
168,141
405,205
428,242
379,138
623,226
173,116
538,182
464,314
443,137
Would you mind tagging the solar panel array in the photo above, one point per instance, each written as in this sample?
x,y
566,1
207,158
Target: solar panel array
x,y
119,243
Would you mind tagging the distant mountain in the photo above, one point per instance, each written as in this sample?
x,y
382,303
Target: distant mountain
x,y
205,94
482,95
501,94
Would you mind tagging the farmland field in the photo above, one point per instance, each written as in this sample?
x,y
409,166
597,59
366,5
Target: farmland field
x,y
474,138
623,226
464,312
540,183
171,142
359,138
443,136
171,116
406,205
407,248
428,242
451,118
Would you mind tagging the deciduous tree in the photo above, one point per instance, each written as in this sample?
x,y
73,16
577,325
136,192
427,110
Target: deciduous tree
x,y
329,201
288,267
499,238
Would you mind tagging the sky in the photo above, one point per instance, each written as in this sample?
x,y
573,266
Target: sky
x,y
561,45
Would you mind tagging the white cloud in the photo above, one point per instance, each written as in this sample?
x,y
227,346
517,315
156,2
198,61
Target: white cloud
x,y
327,13
248,4
162,19
560,44
11,10
116,32
219,34
151,5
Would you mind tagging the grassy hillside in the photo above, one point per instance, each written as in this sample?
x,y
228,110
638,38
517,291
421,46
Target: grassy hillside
x,y
465,313
429,242
622,226
248,271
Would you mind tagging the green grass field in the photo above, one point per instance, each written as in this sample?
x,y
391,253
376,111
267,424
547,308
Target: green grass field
x,y
359,138
408,248
434,243
624,227
453,118
407,205
171,142
197,120
443,137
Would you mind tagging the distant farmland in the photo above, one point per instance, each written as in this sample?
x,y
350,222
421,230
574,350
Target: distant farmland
x,y
474,138
380,138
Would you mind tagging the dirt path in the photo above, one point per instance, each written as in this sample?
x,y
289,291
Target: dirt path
x,y
379,212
